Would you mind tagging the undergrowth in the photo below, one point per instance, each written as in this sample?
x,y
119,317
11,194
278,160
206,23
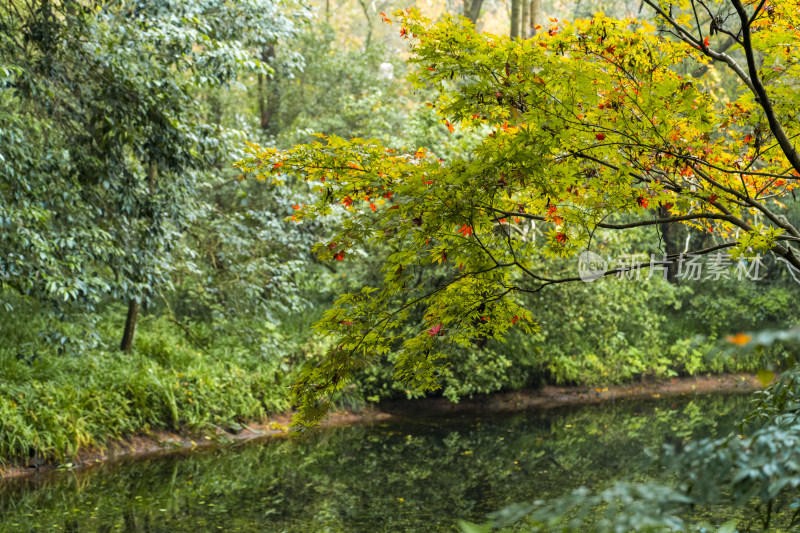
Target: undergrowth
x,y
54,404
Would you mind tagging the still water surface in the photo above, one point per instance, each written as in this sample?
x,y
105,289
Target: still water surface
x,y
417,475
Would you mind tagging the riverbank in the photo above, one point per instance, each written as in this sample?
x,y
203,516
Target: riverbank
x,y
276,426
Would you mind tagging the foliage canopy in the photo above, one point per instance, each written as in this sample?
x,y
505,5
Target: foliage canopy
x,y
597,123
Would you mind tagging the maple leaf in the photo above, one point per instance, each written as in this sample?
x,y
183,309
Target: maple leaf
x,y
740,339
466,231
296,206
450,127
600,136
339,256
552,215
347,201
642,201
385,19
435,330
404,32
713,198
561,238
277,165
706,41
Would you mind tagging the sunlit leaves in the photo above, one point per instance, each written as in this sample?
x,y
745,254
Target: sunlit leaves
x,y
588,121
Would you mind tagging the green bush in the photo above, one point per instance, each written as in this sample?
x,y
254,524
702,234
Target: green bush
x,y
55,404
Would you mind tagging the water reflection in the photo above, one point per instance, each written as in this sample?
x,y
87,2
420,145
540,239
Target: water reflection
x,y
420,475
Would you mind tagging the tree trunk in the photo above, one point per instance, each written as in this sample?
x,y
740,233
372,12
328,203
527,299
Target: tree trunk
x,y
536,15
516,9
367,16
670,236
130,326
133,306
152,177
472,9
268,93
524,29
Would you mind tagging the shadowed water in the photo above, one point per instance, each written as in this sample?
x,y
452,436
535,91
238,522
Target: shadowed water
x,y
417,475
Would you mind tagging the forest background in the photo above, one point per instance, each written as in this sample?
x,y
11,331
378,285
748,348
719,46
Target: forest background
x,y
144,284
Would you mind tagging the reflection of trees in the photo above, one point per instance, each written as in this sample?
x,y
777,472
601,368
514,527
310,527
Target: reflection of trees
x,y
420,475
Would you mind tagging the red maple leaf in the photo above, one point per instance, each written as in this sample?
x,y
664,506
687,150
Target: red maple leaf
x,y
339,256
347,201
600,136
642,201
561,238
466,231
435,330
552,214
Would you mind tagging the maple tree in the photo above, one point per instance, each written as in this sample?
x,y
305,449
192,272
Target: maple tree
x,y
590,125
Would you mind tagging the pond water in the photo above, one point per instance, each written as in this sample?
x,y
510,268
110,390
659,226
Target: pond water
x,y
416,475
